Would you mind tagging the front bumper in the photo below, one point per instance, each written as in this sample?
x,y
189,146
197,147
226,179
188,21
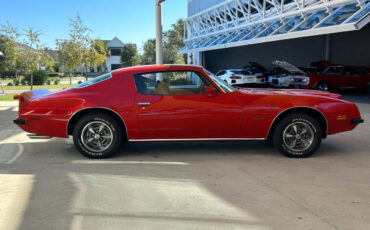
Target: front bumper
x,y
286,81
247,80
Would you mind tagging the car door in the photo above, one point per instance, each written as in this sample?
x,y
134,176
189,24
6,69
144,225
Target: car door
x,y
352,78
175,105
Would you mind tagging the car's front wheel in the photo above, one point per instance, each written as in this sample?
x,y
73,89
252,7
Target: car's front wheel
x,y
97,136
297,135
322,86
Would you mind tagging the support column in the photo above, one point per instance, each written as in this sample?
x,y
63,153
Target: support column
x,y
327,47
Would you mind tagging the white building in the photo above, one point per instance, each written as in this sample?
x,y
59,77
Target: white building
x,y
114,60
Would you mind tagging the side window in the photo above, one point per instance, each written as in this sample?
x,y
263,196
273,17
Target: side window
x,y
356,71
171,83
334,70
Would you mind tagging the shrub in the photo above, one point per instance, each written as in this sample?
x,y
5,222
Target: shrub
x,y
16,81
56,81
24,82
10,84
54,74
48,82
39,78
79,82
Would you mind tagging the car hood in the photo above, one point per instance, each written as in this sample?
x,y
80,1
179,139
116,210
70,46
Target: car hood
x,y
296,92
288,67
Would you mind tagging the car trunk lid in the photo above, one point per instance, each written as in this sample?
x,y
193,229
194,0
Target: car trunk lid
x,y
26,97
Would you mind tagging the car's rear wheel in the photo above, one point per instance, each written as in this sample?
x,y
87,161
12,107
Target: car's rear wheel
x,y
297,135
97,136
322,86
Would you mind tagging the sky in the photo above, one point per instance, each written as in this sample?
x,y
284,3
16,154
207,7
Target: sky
x,y
129,20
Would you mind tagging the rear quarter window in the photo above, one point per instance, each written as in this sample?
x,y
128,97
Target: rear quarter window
x,y
93,81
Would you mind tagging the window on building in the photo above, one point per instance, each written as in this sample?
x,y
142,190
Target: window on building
x,y
115,66
171,83
115,51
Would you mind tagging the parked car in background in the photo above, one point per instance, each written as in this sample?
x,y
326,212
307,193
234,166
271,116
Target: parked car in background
x,y
340,77
287,75
257,68
242,77
321,65
182,103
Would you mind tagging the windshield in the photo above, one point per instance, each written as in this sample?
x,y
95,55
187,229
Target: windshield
x,y
92,81
222,84
334,70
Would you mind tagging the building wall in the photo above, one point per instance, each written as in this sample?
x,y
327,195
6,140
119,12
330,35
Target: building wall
x,y
348,48
112,60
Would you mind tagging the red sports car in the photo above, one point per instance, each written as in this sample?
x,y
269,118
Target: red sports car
x,y
340,77
182,103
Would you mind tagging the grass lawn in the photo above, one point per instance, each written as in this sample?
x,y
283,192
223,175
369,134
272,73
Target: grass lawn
x,y
7,97
27,87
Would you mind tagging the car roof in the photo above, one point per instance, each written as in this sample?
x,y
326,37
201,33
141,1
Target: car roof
x,y
157,68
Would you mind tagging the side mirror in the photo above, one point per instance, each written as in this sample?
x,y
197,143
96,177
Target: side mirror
x,y
211,91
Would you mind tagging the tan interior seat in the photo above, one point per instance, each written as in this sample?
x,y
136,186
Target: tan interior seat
x,y
162,88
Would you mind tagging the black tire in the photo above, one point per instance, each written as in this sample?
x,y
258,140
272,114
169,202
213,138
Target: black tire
x,y
304,146
322,86
92,149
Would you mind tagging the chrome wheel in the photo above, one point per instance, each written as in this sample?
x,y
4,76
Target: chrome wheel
x,y
298,136
97,136
323,87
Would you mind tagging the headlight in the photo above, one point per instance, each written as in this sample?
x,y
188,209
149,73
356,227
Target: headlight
x,y
300,80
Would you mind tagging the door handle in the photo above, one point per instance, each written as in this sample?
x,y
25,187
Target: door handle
x,y
143,103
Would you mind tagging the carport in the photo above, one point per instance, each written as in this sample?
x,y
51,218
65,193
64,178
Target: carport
x,y
229,34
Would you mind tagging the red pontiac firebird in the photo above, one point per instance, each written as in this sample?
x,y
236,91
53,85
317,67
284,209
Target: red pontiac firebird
x,y
340,77
182,103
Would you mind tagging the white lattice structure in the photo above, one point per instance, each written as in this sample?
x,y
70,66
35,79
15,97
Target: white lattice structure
x,y
242,22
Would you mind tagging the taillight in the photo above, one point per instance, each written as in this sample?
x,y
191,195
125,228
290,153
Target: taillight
x,y
235,77
16,96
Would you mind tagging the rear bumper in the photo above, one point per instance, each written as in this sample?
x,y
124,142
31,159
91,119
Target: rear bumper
x,y
357,121
19,121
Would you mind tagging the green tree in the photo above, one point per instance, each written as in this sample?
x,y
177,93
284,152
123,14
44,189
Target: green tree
x,y
130,55
47,61
80,35
98,53
8,46
172,42
30,52
8,49
68,55
148,56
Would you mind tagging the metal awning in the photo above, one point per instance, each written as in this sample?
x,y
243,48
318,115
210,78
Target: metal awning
x,y
243,22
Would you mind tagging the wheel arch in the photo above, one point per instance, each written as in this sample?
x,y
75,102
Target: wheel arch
x,y
315,113
84,111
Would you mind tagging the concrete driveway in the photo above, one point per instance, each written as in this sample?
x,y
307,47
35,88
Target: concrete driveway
x,y
47,184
